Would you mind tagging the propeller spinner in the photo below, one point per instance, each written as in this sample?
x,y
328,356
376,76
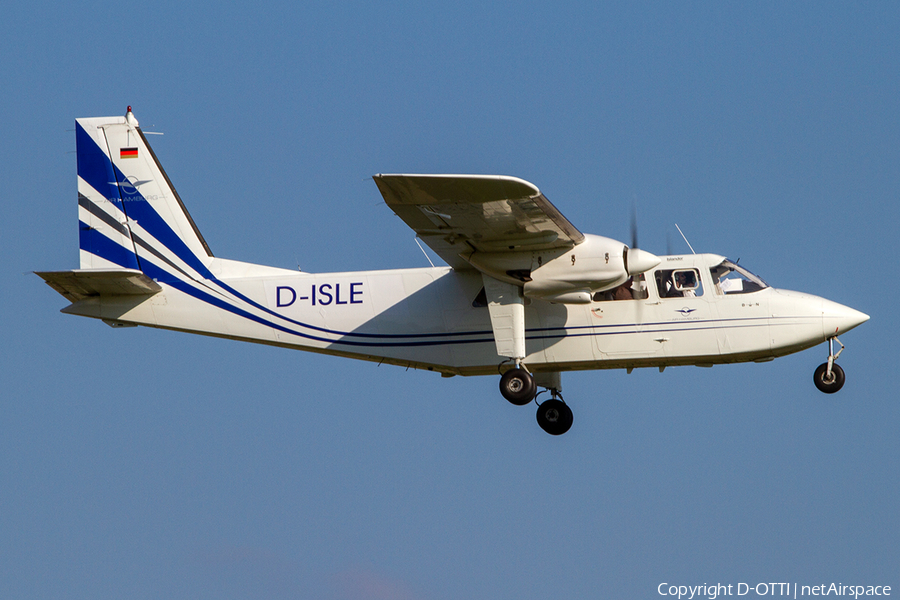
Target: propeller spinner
x,y
637,261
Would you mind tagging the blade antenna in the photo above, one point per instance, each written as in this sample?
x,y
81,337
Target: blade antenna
x,y
423,251
685,238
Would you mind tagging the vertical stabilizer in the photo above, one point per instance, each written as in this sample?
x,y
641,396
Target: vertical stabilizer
x,y
130,215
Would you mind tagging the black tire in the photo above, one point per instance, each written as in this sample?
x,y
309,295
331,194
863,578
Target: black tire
x,y
829,386
554,416
517,386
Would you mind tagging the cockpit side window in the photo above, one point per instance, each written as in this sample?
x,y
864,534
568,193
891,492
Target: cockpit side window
x,y
679,283
733,279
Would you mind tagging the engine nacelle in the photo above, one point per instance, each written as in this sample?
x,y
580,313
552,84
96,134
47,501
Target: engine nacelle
x,y
595,265
567,275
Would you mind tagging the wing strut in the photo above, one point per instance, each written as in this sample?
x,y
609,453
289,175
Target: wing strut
x,y
507,307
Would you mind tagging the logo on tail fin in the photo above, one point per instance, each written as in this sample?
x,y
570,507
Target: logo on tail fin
x,y
130,184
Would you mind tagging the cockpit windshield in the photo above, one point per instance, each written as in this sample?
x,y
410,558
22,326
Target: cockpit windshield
x,y
733,279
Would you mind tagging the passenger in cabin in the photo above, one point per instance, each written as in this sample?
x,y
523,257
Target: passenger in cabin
x,y
635,288
624,292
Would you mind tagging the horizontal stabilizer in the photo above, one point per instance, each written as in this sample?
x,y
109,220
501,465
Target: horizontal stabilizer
x,y
83,283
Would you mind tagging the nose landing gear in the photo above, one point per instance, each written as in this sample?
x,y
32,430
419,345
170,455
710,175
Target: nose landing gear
x,y
829,377
518,386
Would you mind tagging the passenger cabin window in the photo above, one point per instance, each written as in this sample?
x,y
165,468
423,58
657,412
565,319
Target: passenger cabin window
x,y
679,283
633,289
732,279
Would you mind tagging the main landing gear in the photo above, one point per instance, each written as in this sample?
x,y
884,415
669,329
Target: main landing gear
x,y
829,377
519,387
554,416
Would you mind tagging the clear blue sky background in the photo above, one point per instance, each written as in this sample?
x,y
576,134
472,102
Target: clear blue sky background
x,y
149,464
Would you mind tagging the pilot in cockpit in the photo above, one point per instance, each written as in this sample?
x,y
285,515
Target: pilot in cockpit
x,y
671,287
685,283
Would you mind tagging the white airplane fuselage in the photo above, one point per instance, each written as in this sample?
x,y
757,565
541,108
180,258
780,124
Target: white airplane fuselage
x,y
428,319
525,292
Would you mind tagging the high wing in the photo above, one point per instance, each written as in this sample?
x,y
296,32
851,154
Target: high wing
x,y
457,215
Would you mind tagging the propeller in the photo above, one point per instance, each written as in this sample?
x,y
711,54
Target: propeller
x,y
634,240
637,261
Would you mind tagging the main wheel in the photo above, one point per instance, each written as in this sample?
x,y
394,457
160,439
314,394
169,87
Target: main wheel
x,y
554,416
517,386
826,384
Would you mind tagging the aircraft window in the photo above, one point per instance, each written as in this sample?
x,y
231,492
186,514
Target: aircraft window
x,y
633,289
733,279
679,283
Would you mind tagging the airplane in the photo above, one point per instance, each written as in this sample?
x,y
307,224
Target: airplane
x,y
525,295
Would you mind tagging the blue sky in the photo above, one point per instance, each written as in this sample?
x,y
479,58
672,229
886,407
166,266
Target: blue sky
x,y
146,464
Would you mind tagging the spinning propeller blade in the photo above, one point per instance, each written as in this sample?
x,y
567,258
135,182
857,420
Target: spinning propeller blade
x,y
634,228
637,260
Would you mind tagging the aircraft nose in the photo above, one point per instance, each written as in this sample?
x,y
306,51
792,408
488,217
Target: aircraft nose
x,y
838,319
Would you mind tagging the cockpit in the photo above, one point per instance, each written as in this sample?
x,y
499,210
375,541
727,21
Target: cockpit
x,y
685,277
730,278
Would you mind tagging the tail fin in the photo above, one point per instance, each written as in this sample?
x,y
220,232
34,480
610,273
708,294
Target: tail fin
x,y
129,214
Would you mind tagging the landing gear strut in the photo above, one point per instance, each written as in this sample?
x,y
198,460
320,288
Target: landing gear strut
x,y
829,377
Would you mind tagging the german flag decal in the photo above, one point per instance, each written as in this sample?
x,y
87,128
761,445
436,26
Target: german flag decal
x,y
128,153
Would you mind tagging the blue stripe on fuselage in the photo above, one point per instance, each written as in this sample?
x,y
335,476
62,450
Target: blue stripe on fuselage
x,y
152,271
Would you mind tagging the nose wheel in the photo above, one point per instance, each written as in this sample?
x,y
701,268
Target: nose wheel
x,y
829,377
829,382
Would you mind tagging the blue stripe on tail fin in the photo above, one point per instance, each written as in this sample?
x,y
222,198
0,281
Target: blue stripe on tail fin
x,y
104,239
128,208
